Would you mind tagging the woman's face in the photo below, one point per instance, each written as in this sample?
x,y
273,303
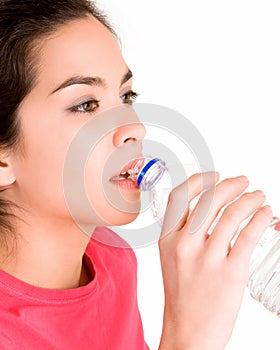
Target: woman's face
x,y
52,114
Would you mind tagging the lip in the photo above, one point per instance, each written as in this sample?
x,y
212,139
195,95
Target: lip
x,y
127,184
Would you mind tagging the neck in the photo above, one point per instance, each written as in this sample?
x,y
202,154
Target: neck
x,y
50,255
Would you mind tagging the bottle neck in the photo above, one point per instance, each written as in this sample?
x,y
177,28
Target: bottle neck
x,y
151,173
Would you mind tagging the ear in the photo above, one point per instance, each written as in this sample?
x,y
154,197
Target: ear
x,y
7,176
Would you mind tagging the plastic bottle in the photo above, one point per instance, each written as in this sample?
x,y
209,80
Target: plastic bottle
x,y
149,174
264,277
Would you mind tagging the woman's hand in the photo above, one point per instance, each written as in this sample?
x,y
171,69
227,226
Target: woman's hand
x,y
204,274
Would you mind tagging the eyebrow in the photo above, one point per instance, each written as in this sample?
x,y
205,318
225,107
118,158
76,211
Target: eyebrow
x,y
92,81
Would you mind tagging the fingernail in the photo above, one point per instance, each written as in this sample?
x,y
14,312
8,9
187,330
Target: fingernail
x,y
260,193
242,178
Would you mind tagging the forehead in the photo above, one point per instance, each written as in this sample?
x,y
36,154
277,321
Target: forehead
x,y
80,47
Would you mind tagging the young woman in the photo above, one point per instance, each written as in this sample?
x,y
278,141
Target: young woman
x,y
60,288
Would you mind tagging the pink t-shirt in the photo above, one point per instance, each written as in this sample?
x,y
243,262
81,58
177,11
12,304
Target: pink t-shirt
x,y
100,315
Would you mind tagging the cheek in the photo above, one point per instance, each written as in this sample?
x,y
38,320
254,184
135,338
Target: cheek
x,y
39,179
39,173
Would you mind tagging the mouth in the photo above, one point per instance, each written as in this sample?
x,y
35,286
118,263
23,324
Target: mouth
x,y
129,171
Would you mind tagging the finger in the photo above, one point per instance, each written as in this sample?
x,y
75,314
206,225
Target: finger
x,y
250,235
211,202
177,209
231,219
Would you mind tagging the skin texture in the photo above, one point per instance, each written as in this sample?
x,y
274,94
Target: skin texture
x,y
204,275
51,239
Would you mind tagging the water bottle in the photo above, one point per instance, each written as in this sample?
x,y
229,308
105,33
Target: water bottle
x,y
264,275
264,278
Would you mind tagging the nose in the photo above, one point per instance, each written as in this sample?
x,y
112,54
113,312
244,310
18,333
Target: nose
x,y
129,132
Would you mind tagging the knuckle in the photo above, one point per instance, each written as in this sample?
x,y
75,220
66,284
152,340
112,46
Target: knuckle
x,y
252,240
182,252
247,238
232,214
254,198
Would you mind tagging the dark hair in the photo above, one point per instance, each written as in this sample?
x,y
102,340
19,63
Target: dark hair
x,y
23,25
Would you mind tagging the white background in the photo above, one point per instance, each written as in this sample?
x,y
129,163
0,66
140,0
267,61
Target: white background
x,y
217,63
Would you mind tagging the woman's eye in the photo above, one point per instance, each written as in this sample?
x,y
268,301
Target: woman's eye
x,y
129,97
85,107
91,105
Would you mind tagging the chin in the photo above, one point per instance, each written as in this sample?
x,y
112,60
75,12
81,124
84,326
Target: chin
x,y
122,218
